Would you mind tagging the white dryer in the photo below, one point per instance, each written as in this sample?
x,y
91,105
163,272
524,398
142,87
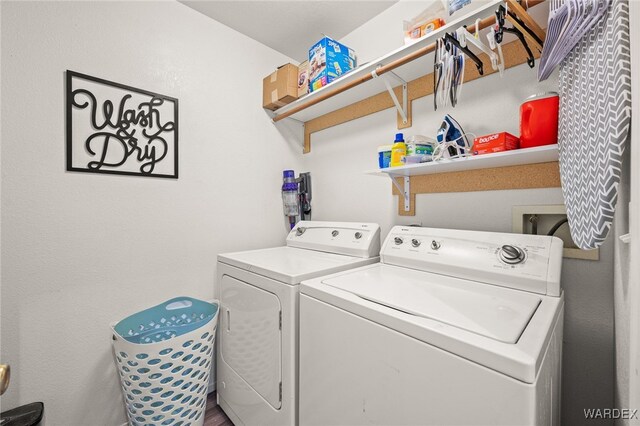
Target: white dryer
x,y
257,355
450,328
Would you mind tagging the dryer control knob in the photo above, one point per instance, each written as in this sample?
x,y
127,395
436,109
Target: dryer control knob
x,y
398,240
300,231
334,233
415,243
358,235
511,254
435,245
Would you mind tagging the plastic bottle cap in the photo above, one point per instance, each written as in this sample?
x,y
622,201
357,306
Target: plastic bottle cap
x,y
384,148
542,95
399,137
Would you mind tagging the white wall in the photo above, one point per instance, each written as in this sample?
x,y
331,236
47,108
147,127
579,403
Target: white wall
x,y
340,156
80,251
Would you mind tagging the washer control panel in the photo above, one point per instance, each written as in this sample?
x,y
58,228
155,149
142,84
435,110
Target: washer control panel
x,y
526,262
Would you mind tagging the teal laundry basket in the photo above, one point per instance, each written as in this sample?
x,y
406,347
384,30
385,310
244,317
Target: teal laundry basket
x,y
163,355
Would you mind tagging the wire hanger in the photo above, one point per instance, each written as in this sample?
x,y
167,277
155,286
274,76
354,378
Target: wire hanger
x,y
500,15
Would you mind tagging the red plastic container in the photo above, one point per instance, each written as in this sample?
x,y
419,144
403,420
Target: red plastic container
x,y
539,120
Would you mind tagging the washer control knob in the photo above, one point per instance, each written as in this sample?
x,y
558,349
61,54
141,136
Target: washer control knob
x,y
415,243
300,231
435,245
358,235
398,240
334,233
511,254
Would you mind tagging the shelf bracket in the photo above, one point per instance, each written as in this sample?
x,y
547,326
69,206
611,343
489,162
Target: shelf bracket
x,y
402,109
406,191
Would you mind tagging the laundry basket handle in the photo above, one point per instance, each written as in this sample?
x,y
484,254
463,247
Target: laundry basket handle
x,y
178,304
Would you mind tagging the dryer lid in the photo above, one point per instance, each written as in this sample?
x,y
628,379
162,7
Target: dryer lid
x,y
494,312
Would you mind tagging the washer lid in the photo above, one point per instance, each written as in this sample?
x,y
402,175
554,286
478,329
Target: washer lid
x,y
498,313
292,265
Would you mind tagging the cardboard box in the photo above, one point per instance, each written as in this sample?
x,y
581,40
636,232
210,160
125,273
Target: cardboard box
x,y
303,79
428,20
495,142
421,29
281,87
328,60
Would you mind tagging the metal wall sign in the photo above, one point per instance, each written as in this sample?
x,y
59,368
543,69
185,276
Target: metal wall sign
x,y
118,129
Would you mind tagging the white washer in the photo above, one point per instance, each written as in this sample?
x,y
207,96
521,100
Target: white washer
x,y
257,352
450,328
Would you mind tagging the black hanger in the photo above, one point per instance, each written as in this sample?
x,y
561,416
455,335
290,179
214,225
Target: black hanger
x,y
526,28
530,59
451,39
500,21
500,14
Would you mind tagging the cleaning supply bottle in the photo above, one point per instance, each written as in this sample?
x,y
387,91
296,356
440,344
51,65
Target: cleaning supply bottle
x,y
398,151
384,156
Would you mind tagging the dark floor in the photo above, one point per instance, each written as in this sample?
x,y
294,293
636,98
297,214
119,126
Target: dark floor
x,y
214,416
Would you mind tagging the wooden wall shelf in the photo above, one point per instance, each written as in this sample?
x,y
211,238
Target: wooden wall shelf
x,y
358,84
519,169
516,157
356,94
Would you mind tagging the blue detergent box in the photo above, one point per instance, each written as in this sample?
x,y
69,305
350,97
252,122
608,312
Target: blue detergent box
x,y
328,60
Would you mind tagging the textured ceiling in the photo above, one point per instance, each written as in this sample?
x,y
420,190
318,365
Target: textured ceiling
x,y
290,27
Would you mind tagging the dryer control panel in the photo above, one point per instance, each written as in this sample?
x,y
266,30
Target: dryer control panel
x,y
525,262
352,239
